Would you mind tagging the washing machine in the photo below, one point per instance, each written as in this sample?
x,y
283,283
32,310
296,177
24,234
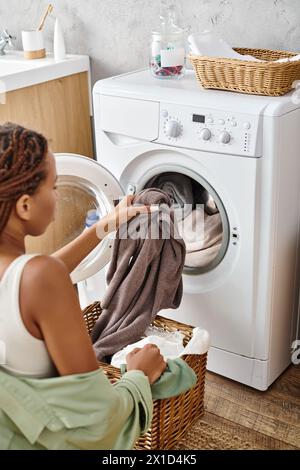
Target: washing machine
x,y
244,150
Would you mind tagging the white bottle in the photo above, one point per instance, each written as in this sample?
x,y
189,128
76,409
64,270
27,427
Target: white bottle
x,y
59,47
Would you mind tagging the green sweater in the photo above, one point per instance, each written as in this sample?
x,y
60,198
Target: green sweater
x,y
84,411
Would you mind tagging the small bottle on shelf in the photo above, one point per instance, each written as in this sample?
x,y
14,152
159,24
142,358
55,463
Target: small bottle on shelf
x,y
59,48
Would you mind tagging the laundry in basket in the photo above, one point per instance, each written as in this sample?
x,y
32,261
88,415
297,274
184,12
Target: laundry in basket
x,y
172,417
170,344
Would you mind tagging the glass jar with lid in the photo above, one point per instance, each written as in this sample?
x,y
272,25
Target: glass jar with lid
x,y
167,51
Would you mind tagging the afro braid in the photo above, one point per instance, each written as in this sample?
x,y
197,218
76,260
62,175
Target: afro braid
x,y
22,155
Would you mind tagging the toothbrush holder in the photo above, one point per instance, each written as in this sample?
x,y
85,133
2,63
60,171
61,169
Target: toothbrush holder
x,y
33,44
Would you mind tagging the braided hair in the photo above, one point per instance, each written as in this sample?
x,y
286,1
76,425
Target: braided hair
x,y
22,157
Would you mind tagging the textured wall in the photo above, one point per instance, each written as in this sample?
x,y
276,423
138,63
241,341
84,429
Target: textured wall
x,y
115,33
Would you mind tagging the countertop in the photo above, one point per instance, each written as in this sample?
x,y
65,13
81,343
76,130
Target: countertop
x,y
17,72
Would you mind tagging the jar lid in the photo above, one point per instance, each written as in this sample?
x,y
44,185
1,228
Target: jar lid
x,y
175,34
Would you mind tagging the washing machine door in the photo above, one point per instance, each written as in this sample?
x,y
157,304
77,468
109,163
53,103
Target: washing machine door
x,y
83,184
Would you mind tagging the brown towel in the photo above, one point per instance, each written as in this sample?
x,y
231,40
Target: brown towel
x,y
179,189
144,276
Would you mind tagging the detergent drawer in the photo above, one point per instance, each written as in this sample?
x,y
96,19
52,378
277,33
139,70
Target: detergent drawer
x,y
130,117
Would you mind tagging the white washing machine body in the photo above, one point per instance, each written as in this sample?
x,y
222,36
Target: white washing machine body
x,y
245,150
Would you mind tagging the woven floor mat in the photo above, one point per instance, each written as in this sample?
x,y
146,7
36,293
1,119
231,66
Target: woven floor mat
x,y
204,436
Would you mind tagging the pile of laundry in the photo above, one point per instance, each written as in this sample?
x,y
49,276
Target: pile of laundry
x,y
198,218
148,257
144,275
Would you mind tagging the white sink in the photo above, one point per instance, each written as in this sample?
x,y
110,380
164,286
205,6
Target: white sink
x,y
14,62
18,72
9,68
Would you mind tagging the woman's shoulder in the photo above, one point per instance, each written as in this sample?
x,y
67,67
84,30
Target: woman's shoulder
x,y
42,267
46,291
45,265
44,275
43,281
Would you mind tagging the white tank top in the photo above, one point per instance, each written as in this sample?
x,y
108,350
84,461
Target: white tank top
x,y
20,352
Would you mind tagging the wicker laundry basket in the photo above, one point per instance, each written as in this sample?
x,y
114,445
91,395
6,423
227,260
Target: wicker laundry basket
x,y
173,416
261,78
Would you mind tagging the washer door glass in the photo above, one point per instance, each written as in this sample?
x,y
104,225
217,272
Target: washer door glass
x,y
83,185
201,218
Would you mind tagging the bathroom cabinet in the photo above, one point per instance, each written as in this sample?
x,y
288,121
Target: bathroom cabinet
x,y
54,98
58,108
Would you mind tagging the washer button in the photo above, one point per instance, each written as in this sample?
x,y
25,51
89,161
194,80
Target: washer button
x,y
221,121
164,113
233,123
209,120
246,125
205,134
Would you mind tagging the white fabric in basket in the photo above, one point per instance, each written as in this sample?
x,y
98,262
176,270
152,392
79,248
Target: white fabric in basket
x,y
170,344
211,45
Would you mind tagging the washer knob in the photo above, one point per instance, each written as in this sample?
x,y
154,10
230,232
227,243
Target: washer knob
x,y
173,128
224,137
205,134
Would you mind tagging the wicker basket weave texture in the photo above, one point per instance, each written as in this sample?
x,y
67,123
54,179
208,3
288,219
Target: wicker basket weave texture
x,y
262,78
173,416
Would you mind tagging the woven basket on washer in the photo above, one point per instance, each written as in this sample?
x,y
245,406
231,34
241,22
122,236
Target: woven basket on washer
x,y
244,76
173,416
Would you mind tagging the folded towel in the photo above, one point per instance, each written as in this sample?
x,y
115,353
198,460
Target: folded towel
x,y
144,275
210,44
289,59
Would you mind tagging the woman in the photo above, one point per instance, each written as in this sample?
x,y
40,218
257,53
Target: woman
x,y
42,324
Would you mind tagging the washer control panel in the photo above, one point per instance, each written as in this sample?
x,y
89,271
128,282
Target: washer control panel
x,y
204,129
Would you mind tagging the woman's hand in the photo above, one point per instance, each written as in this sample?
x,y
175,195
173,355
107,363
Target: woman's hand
x,y
123,212
148,360
74,252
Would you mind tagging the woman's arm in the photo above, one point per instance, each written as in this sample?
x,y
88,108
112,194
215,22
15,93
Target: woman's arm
x,y
50,311
74,252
